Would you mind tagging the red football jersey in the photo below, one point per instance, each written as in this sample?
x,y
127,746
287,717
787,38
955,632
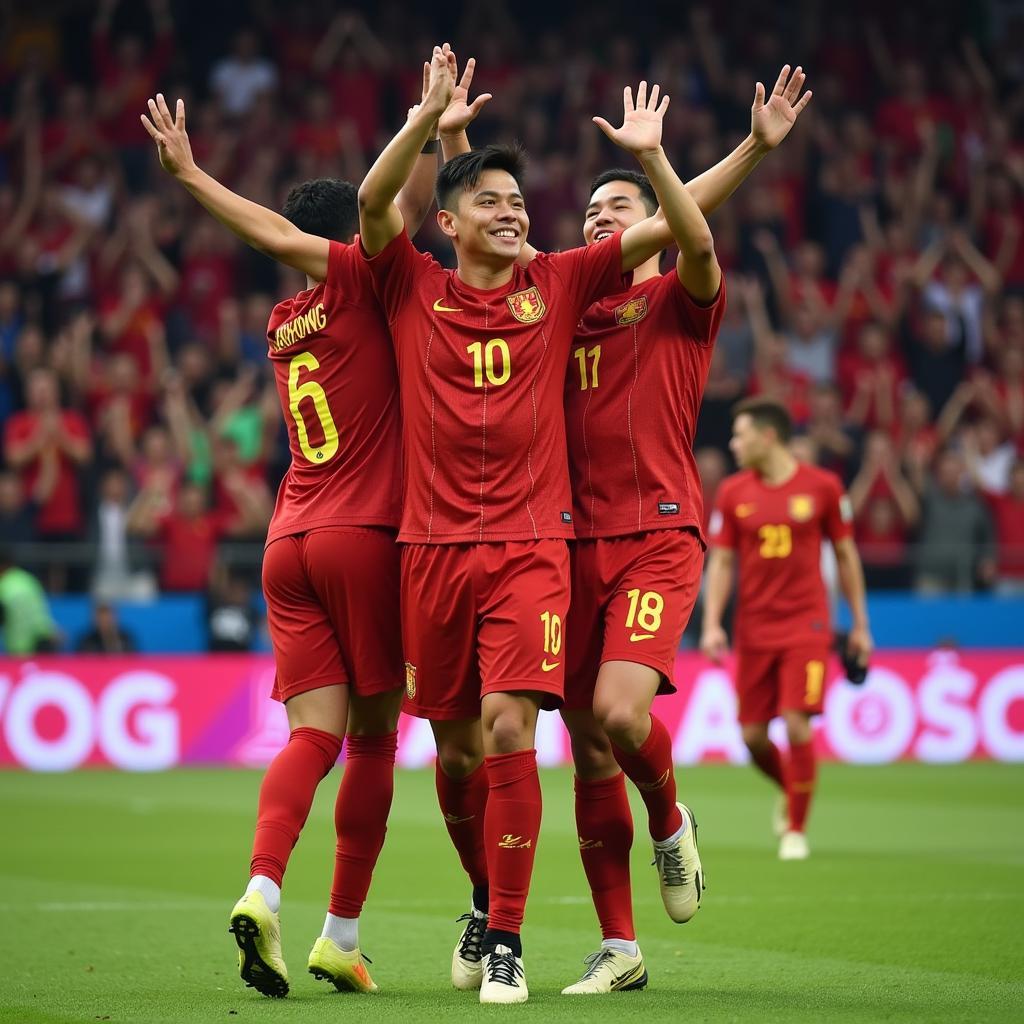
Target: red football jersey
x,y
481,375
336,377
777,534
636,375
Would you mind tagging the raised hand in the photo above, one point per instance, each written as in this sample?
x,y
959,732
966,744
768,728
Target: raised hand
x,y
440,80
771,121
641,122
460,113
170,136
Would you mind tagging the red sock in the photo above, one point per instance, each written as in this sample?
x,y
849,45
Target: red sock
x,y
605,828
463,802
769,760
650,770
361,818
511,826
286,796
800,776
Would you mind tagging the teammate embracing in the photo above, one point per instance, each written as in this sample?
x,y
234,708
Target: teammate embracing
x,y
482,353
771,519
330,568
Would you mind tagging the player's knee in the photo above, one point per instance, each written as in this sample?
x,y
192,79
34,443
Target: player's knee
x,y
625,725
592,755
459,761
509,732
756,738
798,729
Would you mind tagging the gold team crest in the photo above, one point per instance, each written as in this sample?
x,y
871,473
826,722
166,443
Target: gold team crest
x,y
528,306
631,312
801,507
410,680
744,509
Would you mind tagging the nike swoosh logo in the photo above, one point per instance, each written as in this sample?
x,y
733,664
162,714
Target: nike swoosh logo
x,y
438,308
633,637
545,667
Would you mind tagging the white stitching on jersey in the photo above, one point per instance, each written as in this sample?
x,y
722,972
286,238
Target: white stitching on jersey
x,y
533,438
629,428
433,436
483,434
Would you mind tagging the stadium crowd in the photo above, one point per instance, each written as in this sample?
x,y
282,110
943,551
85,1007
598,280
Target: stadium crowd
x,y
875,263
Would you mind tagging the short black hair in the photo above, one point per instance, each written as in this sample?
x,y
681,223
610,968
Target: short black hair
x,y
463,172
642,182
766,412
328,207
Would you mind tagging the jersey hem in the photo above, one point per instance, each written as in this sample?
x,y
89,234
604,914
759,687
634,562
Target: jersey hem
x,y
611,532
276,532
490,537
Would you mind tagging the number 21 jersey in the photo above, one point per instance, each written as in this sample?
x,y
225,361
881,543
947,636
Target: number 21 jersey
x,y
336,378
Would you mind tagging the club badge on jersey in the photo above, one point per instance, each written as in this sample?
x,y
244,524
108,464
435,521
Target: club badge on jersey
x,y
801,507
631,312
527,306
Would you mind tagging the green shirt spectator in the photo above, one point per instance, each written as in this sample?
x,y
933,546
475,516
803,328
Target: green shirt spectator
x,y
27,625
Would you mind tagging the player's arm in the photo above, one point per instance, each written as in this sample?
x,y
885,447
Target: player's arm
x,y
718,575
257,226
770,122
851,582
380,219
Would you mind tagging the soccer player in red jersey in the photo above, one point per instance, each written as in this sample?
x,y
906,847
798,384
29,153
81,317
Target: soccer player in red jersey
x,y
633,392
330,568
485,576
771,519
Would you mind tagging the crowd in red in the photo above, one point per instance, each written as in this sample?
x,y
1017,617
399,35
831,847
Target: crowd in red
x,y
876,262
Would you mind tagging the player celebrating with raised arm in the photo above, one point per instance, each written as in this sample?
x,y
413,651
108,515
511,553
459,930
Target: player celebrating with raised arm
x,y
485,583
771,518
330,569
640,358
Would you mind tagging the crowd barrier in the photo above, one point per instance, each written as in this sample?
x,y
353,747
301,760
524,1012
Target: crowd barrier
x,y
149,713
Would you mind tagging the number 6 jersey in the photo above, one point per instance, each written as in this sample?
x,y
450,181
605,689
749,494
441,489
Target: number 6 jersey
x,y
335,372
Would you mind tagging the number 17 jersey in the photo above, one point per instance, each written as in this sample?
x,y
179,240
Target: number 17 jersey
x,y
334,367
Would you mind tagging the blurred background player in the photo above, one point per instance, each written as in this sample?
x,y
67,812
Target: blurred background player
x,y
485,577
632,396
770,519
330,569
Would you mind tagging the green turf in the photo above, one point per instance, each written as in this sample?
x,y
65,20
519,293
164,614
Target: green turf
x,y
116,891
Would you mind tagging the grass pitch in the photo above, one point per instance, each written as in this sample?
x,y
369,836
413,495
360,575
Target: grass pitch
x,y
116,891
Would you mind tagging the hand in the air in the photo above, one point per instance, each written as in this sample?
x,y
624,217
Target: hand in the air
x,y
169,135
771,121
460,113
641,121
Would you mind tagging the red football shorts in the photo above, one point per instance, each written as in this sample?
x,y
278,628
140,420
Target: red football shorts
x,y
482,618
770,682
332,609
631,599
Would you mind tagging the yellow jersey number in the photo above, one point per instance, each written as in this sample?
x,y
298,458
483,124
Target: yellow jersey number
x,y
492,360
309,389
776,541
588,380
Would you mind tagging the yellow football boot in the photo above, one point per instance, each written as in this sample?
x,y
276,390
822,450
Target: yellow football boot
x,y
257,930
343,968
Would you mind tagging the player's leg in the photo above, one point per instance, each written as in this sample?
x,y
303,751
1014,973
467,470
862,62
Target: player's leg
x,y
658,581
604,825
355,573
309,677
802,685
765,756
439,616
461,782
524,596
604,822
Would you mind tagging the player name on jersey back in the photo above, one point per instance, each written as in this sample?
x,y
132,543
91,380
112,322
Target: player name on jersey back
x,y
335,373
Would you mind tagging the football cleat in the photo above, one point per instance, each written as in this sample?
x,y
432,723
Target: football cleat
x,y
793,846
343,968
503,980
610,970
257,930
679,872
780,816
467,960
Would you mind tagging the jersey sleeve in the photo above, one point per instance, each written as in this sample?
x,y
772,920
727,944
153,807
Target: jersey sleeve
x,y
722,525
699,323
348,275
589,272
838,511
394,271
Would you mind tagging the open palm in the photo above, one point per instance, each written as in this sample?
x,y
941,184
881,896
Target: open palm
x,y
771,121
641,121
460,112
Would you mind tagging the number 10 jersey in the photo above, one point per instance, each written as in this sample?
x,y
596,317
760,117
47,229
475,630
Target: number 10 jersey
x,y
334,366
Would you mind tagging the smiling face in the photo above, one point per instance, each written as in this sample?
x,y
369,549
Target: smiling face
x,y
614,206
489,222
